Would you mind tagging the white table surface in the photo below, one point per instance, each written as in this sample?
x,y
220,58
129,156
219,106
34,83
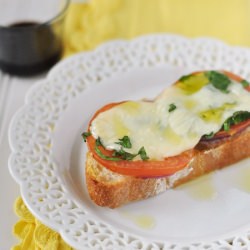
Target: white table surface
x,y
12,94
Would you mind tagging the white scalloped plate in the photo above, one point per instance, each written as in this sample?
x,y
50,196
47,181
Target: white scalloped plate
x,y
48,154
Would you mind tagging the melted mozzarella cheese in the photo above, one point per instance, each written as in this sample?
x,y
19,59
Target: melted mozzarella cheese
x,y
163,133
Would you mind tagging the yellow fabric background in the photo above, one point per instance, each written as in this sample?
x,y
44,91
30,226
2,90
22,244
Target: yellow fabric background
x,y
90,24
33,234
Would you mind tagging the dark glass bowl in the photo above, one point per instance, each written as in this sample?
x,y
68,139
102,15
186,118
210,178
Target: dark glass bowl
x,y
29,47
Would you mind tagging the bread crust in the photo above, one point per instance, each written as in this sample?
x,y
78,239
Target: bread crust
x,y
110,189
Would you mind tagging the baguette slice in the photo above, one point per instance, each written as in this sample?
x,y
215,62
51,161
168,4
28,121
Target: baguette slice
x,y
110,189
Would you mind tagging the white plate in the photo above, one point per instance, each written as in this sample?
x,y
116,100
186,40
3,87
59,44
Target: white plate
x,y
48,153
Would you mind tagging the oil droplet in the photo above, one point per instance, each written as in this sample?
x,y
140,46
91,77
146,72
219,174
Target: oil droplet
x,y
192,83
52,127
119,127
215,114
202,188
171,136
244,180
143,221
190,104
130,107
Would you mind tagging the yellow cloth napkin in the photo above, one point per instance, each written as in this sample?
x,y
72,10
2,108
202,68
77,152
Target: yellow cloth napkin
x,y
89,24
33,234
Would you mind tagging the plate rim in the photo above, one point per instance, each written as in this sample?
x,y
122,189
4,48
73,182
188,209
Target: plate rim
x,y
51,74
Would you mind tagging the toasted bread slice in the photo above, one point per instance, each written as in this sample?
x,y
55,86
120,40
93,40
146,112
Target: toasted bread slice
x,y
110,189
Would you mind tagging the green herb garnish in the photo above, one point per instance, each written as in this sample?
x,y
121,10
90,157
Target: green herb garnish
x,y
209,136
226,126
98,151
172,107
245,83
85,135
235,119
128,156
98,143
120,154
143,154
125,142
219,80
124,155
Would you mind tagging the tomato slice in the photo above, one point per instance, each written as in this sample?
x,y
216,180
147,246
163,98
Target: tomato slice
x,y
232,76
153,168
236,78
233,130
149,168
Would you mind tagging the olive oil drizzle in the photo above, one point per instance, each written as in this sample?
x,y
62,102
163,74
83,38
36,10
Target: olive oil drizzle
x,y
143,221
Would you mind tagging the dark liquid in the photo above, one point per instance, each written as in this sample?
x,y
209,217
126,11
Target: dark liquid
x,y
23,24
28,48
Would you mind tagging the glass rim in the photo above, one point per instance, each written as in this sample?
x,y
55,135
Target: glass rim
x,y
37,25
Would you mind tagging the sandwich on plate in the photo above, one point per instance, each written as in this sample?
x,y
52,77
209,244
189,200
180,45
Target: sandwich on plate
x,y
138,149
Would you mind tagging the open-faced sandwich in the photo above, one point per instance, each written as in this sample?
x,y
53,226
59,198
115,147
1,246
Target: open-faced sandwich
x,y
137,149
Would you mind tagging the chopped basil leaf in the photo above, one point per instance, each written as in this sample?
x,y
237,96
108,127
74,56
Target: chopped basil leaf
x,y
128,156
125,155
143,154
218,80
85,135
226,126
122,154
172,107
99,152
125,142
209,136
244,83
236,118
98,142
